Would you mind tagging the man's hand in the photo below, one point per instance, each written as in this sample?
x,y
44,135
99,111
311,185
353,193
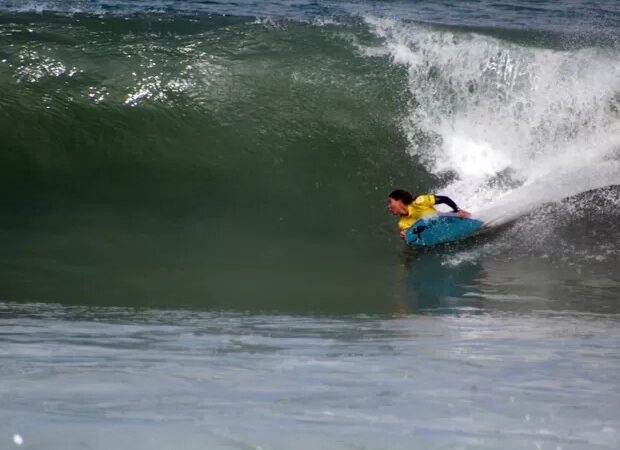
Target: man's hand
x,y
402,234
464,214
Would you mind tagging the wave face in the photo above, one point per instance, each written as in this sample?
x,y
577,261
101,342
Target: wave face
x,y
219,112
221,148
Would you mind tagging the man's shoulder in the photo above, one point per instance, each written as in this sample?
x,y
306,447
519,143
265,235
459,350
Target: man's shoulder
x,y
426,199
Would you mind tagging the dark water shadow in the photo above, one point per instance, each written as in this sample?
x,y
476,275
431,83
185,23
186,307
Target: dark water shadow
x,y
441,280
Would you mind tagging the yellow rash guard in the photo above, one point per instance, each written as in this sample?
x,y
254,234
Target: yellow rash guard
x,y
421,206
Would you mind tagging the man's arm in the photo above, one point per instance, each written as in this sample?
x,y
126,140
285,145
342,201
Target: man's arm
x,y
442,199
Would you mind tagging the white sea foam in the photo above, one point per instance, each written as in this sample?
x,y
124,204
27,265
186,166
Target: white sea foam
x,y
516,126
54,6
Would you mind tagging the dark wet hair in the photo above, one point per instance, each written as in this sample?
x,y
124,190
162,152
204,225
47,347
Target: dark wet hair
x,y
401,194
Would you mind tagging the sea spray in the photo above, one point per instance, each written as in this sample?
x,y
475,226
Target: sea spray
x,y
515,126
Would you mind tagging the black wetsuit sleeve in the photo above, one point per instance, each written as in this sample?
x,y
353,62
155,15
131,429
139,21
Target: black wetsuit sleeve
x,y
442,199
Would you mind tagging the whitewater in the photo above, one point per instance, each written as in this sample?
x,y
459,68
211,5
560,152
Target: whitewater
x,y
517,126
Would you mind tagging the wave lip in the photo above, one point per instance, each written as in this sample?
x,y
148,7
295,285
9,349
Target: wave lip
x,y
579,18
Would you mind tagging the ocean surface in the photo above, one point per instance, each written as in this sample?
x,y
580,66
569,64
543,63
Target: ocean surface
x,y
196,251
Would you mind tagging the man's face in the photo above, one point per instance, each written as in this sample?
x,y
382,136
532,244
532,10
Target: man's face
x,y
396,207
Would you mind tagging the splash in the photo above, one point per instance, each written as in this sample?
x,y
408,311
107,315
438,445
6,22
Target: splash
x,y
514,126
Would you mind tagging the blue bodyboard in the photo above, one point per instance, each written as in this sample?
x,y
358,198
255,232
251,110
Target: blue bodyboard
x,y
441,228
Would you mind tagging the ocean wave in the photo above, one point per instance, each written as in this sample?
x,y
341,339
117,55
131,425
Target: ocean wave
x,y
304,126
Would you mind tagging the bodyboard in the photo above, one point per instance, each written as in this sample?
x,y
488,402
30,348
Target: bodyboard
x,y
441,228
